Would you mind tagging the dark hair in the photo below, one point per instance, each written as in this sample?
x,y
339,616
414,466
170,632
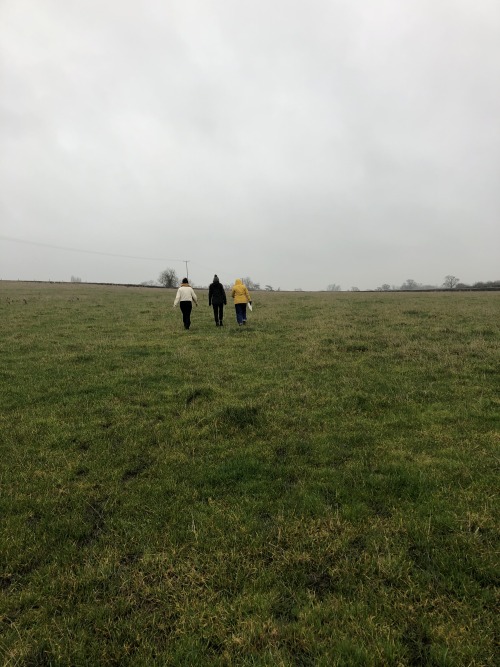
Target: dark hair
x,y
185,281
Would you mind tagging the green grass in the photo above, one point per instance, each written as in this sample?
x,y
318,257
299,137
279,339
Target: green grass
x,y
317,488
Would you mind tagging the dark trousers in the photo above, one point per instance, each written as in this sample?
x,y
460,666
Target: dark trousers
x,y
186,308
218,312
241,312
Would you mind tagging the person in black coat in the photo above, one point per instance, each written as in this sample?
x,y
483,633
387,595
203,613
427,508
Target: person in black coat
x,y
217,299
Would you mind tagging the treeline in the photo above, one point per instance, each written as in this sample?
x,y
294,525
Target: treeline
x,y
450,282
491,284
169,278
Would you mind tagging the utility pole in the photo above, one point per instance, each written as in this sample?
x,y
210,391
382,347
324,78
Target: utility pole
x,y
186,263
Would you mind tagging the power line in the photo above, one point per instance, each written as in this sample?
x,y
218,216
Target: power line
x,y
88,252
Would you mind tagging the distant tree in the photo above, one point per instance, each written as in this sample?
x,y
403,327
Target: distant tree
x,y
450,282
168,278
490,284
148,283
250,283
355,289
410,284
76,279
269,288
333,288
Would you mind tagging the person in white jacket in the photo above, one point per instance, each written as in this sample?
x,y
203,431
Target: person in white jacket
x,y
185,297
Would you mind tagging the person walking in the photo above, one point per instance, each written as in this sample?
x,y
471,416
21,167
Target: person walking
x,y
185,297
241,297
217,299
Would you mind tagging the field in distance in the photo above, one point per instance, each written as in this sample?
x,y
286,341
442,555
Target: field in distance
x,y
316,488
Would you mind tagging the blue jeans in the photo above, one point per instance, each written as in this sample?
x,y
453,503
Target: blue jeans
x,y
241,312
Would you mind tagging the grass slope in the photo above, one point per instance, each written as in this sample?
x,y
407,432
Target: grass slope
x,y
317,488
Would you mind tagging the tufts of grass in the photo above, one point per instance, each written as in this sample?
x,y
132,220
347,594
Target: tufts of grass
x,y
315,489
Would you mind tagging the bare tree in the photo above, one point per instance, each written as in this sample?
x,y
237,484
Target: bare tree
x,y
76,279
333,288
355,289
250,283
450,282
168,278
269,288
410,284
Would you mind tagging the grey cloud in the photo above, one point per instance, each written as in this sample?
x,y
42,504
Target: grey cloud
x,y
355,140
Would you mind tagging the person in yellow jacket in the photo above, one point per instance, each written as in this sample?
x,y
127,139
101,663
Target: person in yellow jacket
x,y
241,297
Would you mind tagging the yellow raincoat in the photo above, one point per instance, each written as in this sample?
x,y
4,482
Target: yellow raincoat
x,y
240,292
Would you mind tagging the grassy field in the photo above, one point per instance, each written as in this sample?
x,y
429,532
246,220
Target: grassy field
x,y
317,488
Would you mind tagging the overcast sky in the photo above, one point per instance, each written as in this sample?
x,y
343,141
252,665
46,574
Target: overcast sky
x,y
298,142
